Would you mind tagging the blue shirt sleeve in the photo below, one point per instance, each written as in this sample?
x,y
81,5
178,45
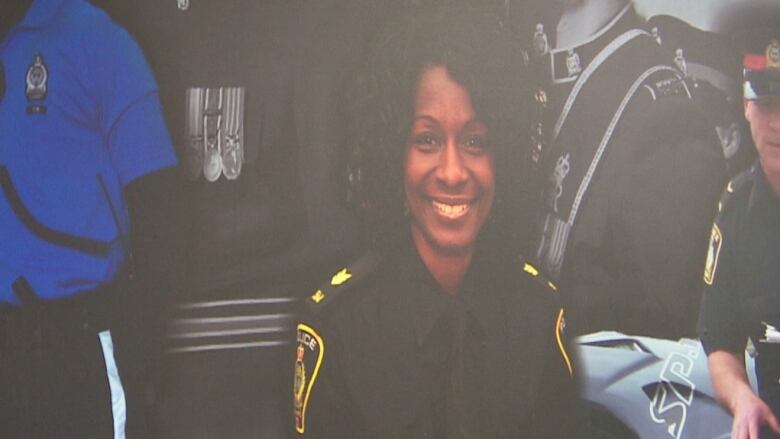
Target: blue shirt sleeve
x,y
138,141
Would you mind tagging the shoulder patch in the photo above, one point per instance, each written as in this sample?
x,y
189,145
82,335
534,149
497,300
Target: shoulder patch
x,y
343,280
308,360
713,251
540,278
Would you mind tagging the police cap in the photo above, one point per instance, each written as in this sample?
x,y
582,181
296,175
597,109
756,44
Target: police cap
x,y
755,30
761,63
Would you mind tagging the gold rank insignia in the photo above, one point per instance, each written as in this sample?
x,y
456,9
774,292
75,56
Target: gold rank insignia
x,y
716,239
340,277
318,296
530,269
309,355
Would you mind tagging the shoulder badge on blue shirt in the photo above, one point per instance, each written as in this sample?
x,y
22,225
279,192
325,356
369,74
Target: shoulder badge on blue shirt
x,y
37,87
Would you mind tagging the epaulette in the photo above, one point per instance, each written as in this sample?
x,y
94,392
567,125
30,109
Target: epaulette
x,y
537,275
669,86
343,280
734,185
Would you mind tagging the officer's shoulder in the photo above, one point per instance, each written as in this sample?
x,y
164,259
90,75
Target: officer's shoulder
x,y
344,282
737,188
540,282
666,84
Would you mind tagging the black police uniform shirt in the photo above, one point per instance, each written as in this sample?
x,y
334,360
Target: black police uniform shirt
x,y
654,168
386,353
742,296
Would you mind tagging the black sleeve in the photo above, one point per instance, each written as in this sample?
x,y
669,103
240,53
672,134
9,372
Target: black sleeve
x,y
155,258
635,265
720,321
154,206
321,405
557,413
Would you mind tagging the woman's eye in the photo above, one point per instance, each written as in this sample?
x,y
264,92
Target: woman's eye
x,y
425,140
475,142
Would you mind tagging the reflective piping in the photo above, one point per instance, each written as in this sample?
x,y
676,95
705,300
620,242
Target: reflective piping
x,y
651,91
118,403
560,342
236,318
585,75
225,333
608,135
236,302
228,346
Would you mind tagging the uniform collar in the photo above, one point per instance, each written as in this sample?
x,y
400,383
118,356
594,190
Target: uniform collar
x,y
557,58
42,12
428,303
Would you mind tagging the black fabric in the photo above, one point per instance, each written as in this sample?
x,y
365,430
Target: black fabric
x,y
13,11
636,249
284,215
745,289
53,372
403,359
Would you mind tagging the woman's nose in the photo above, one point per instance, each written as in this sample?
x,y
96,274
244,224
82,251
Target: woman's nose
x,y
452,170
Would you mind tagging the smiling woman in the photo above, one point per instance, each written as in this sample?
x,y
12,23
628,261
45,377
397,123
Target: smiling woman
x,y
449,176
440,330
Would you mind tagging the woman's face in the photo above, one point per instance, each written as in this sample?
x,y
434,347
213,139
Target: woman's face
x,y
449,172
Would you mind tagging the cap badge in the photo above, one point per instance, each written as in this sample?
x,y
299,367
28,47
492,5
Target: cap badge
x,y
773,55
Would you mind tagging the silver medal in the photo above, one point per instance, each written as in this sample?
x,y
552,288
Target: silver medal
x,y
212,121
233,132
193,153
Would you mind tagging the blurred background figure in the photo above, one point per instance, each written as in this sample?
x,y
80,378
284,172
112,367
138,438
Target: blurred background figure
x,y
631,169
86,222
741,300
252,93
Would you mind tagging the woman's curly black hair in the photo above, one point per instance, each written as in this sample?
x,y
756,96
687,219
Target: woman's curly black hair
x,y
478,50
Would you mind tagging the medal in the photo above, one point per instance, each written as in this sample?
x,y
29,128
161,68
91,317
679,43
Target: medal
x,y
233,132
193,154
212,120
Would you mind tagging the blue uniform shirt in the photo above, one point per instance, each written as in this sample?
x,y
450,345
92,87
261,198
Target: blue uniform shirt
x,y
80,119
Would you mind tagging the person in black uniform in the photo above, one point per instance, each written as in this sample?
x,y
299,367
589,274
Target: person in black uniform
x,y
741,299
632,170
437,331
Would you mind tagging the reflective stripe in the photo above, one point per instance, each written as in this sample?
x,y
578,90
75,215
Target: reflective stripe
x,y
561,346
118,404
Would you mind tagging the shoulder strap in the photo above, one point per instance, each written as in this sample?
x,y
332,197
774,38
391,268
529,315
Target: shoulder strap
x,y
344,280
